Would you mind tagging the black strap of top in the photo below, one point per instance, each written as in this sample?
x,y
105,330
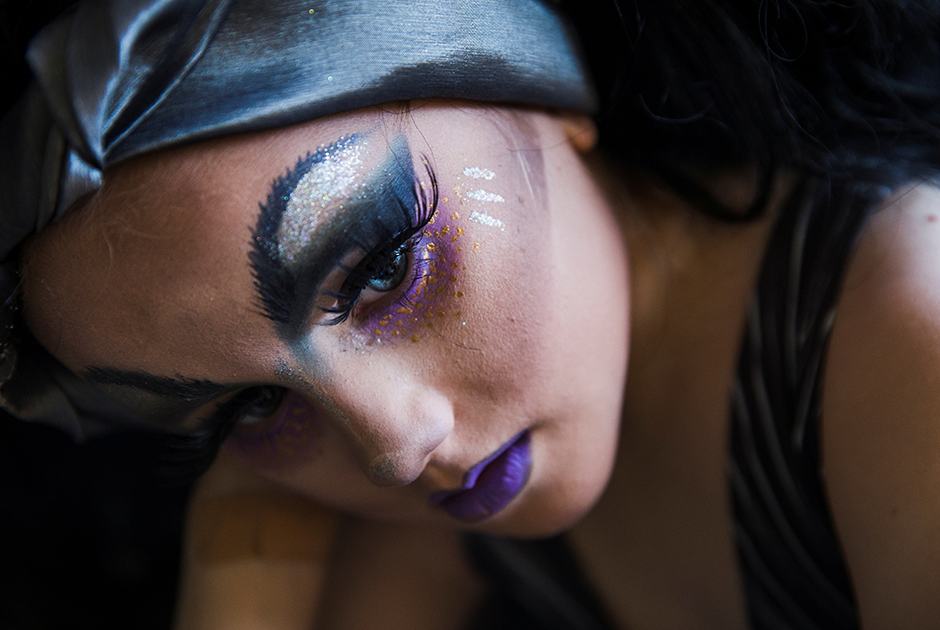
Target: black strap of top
x,y
792,565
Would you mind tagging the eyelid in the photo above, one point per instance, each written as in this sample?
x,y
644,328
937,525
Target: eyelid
x,y
192,451
349,293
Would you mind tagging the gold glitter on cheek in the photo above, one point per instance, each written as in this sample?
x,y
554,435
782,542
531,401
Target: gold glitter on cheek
x,y
440,267
425,305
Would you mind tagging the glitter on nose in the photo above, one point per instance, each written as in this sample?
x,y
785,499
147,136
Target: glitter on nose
x,y
383,468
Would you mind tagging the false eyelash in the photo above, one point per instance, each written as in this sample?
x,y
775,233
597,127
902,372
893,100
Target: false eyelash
x,y
358,276
188,455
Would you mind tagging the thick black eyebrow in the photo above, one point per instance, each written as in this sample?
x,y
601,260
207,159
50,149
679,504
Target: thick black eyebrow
x,y
276,285
179,387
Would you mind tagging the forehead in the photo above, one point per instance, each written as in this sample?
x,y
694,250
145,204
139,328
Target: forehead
x,y
152,274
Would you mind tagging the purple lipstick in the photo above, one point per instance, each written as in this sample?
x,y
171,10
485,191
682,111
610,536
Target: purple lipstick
x,y
491,484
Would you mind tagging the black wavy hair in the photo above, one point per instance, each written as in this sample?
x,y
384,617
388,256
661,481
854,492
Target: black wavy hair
x,y
19,21
840,89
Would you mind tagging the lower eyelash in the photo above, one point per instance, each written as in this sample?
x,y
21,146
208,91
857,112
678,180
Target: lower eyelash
x,y
348,301
282,440
189,455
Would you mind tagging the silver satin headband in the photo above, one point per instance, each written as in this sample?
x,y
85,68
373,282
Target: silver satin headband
x,y
117,78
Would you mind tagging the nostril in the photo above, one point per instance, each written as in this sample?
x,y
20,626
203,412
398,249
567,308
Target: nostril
x,y
384,471
394,436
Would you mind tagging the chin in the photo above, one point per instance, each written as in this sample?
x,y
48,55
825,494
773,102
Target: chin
x,y
542,515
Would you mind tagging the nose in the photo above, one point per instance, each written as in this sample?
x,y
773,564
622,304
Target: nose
x,y
394,425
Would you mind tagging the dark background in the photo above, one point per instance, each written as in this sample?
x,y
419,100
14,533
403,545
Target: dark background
x,y
89,535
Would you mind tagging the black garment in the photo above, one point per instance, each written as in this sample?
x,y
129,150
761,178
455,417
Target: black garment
x,y
791,564
90,535
535,585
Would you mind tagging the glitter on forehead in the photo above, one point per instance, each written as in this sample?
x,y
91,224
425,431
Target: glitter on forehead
x,y
331,178
482,195
485,219
479,173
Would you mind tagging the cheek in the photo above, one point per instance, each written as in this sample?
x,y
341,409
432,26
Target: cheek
x,y
493,309
304,448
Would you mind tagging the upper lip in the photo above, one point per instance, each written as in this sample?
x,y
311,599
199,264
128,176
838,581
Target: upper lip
x,y
473,473
487,488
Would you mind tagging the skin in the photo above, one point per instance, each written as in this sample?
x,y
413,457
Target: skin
x,y
165,287
152,274
881,407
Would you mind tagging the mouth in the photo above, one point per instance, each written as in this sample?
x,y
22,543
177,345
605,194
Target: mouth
x,y
490,485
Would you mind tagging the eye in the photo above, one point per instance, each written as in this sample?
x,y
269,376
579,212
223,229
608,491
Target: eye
x,y
385,266
261,402
393,272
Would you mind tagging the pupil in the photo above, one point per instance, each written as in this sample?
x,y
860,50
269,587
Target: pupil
x,y
393,273
268,400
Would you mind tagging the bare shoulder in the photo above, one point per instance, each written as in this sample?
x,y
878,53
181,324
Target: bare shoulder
x,y
397,576
881,415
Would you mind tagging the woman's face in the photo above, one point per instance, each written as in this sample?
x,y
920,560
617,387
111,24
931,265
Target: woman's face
x,y
441,291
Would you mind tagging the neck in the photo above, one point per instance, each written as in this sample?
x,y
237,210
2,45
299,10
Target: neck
x,y
692,277
691,281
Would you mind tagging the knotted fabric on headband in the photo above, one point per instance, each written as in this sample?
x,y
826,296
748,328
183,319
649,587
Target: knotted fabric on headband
x,y
119,78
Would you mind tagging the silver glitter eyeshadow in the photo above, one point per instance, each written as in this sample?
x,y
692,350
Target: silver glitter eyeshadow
x,y
313,199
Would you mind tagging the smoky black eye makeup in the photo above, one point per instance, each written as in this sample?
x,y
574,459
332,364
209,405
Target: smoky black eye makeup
x,y
348,213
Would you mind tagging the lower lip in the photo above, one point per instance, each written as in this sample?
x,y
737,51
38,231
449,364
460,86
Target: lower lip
x,y
491,484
